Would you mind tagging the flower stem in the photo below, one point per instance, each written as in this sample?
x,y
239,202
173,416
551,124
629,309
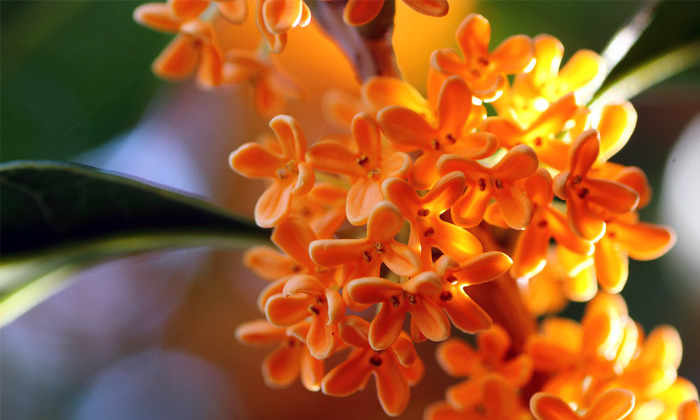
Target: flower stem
x,y
368,47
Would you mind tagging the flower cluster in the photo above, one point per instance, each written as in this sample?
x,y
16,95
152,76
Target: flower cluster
x,y
483,204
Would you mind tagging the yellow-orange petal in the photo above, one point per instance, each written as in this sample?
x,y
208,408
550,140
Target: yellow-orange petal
x,y
363,197
281,15
456,357
404,196
560,230
273,205
454,105
612,196
386,325
482,268
331,252
179,59
401,259
584,152
304,284
613,404
456,241
616,125
293,235
157,16
287,311
354,331
464,313
445,191
530,254
464,395
644,241
349,376
311,372
361,12
493,344
469,210
321,339
689,410
473,35
515,207
384,222
406,127
583,221
548,52
274,288
368,290
187,9
381,92
662,346
518,370
442,411
514,54
281,367
550,407
305,179
434,8
519,162
267,263
332,156
392,388
611,265
430,319
255,161
259,332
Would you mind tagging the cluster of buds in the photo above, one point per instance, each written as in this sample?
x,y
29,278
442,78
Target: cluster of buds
x,y
481,206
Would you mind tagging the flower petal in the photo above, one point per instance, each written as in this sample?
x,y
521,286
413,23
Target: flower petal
x,y
612,196
406,127
473,36
464,313
530,254
255,161
384,222
514,54
435,8
234,11
392,388
331,252
457,358
281,367
386,325
259,332
349,376
613,404
311,372
178,60
334,157
515,207
363,197
611,265
157,16
273,204
369,290
321,339
550,407
287,311
380,92
294,236
519,162
401,259
361,12
268,263
431,320
281,15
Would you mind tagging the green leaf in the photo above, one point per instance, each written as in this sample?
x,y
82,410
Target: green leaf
x,y
668,45
58,217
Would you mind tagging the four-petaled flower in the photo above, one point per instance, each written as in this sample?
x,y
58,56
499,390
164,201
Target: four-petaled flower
x,y
287,168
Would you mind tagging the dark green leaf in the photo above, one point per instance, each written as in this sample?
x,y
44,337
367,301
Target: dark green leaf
x,y
58,216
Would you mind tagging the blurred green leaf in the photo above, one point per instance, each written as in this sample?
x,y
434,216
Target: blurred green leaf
x,y
669,45
74,75
57,217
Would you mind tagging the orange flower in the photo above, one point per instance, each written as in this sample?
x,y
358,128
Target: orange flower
x,y
533,92
291,358
530,253
394,369
454,133
497,182
305,296
540,134
460,359
323,207
498,401
365,166
361,12
290,174
614,404
367,254
625,236
272,86
416,296
423,213
583,192
615,124
193,48
689,410
483,71
464,313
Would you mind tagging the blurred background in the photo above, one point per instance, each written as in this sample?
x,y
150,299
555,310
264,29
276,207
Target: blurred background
x,y
151,336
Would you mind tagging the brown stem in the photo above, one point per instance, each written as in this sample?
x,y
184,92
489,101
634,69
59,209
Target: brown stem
x,y
500,298
368,47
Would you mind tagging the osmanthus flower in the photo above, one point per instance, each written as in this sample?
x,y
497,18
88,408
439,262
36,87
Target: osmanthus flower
x,y
423,213
276,17
497,182
233,10
625,236
272,86
293,236
305,296
615,124
194,46
499,400
532,246
541,134
584,193
455,276
361,12
534,91
395,369
416,296
543,293
290,360
485,72
365,255
689,410
460,359
288,170
457,119
366,166
614,404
